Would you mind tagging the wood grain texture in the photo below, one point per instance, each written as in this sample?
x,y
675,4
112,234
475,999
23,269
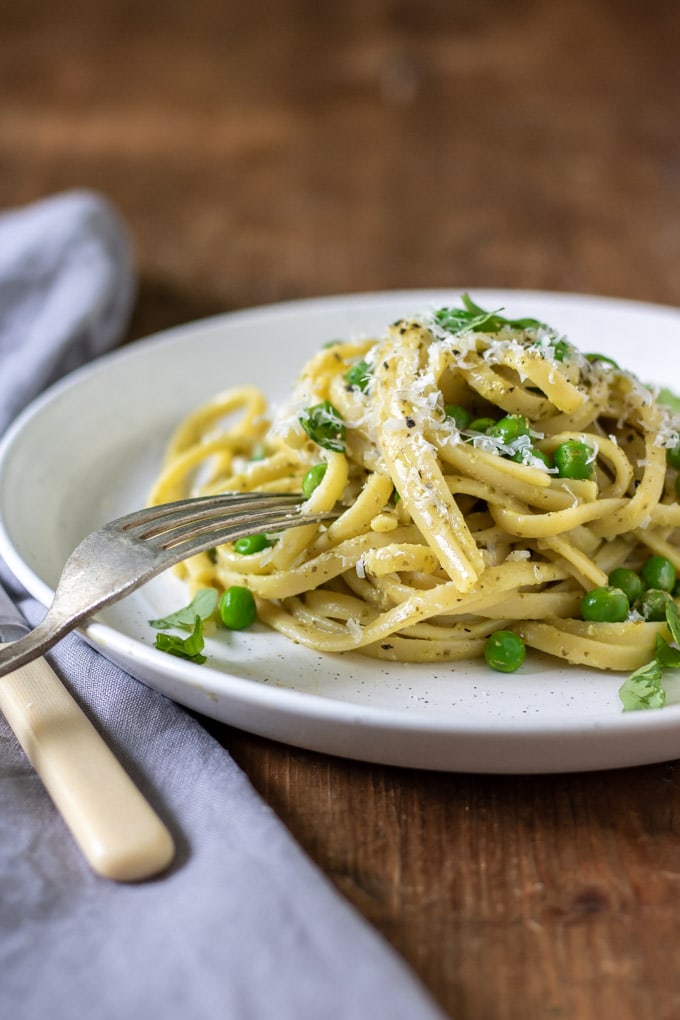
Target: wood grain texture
x,y
275,150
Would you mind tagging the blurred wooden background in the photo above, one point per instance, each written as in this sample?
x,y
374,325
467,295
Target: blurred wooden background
x,y
270,150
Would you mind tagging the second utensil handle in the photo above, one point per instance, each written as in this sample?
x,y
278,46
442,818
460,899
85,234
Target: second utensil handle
x,y
119,833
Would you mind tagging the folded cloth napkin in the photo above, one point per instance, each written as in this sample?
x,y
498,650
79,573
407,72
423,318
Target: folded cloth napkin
x,y
243,925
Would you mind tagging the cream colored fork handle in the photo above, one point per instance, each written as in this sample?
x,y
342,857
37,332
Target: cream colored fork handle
x,y
118,832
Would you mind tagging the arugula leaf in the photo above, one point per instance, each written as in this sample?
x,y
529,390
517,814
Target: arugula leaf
x,y
472,317
203,604
643,688
669,398
184,648
324,425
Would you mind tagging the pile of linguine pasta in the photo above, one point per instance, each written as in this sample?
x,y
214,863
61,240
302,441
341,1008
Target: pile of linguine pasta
x,y
452,527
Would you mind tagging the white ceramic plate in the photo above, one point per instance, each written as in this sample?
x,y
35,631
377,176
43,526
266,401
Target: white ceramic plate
x,y
88,450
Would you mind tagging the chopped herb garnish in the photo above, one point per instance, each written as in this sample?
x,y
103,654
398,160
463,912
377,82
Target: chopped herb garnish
x,y
324,425
190,647
669,398
560,349
668,656
644,688
592,358
203,605
359,375
673,620
472,317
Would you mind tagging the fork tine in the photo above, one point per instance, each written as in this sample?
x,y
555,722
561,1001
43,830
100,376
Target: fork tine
x,y
153,519
253,520
192,541
126,560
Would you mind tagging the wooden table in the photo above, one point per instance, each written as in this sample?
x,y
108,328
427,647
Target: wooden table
x,y
263,151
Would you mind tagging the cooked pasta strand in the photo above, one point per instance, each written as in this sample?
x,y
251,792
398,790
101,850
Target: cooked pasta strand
x,y
488,475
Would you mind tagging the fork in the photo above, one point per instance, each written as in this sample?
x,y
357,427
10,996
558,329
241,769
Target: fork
x,y
128,551
119,832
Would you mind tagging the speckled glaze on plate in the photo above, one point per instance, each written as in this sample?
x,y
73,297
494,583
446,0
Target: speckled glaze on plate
x,y
88,450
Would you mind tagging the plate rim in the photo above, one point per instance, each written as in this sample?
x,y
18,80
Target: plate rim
x,y
308,704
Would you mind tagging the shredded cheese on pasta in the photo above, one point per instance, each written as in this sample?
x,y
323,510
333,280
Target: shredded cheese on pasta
x,y
446,533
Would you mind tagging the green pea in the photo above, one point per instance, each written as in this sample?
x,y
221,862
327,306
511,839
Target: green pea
x,y
460,415
574,459
652,605
658,572
481,424
673,456
504,651
628,581
509,428
605,605
237,608
313,479
251,544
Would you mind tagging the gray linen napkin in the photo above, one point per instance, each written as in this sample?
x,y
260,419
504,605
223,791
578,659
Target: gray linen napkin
x,y
243,925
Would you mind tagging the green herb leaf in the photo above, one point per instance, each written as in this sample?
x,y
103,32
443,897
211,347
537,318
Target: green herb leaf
x,y
669,398
203,605
359,375
593,358
324,426
560,348
184,648
673,620
472,317
643,688
666,655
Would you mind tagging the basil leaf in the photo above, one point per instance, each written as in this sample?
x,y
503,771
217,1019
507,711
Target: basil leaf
x,y
643,688
324,426
203,604
184,648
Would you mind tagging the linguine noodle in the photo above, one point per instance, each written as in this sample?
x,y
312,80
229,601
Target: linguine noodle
x,y
449,530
